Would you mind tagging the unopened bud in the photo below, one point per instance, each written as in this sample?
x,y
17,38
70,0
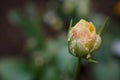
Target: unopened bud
x,y
83,39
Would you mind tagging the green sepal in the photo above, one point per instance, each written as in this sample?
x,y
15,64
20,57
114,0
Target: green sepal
x,y
101,29
91,60
69,42
70,25
76,49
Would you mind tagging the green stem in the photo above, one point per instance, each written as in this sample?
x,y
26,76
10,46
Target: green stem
x,y
78,69
37,74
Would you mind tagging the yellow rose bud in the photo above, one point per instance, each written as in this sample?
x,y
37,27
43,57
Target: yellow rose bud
x,y
83,39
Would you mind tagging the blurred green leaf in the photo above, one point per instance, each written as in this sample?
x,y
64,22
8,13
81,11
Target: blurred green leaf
x,y
12,69
51,73
30,23
108,71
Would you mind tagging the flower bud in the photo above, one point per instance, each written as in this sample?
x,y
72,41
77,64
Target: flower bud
x,y
83,39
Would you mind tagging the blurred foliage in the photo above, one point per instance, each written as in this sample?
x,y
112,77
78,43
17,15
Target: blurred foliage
x,y
49,56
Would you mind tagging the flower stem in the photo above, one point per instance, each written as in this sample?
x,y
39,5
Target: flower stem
x,y
78,69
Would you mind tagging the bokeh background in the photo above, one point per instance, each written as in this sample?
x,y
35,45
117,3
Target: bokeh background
x,y
33,39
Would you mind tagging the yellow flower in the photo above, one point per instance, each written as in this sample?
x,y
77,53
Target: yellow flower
x,y
83,39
